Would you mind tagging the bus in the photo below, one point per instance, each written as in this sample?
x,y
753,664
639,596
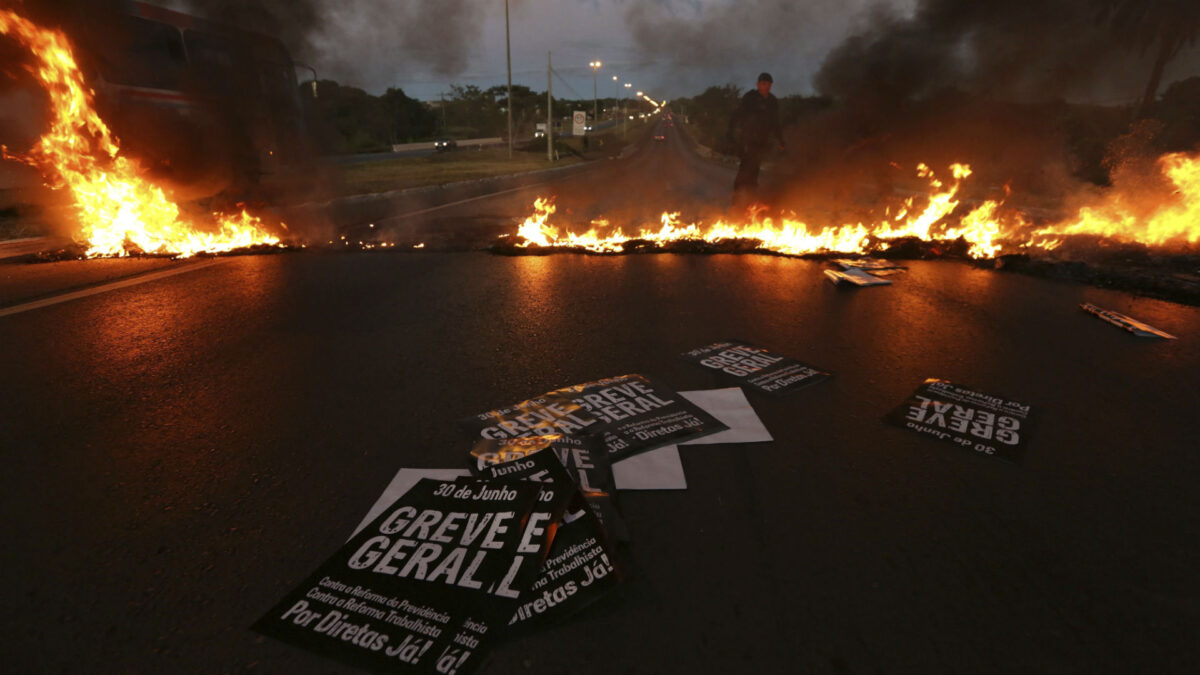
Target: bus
x,y
209,108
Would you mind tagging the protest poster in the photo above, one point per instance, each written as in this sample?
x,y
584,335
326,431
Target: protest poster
x,y
425,587
584,458
662,468
1138,328
631,413
755,367
854,276
985,424
580,566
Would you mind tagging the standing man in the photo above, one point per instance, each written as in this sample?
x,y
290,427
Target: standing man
x,y
758,117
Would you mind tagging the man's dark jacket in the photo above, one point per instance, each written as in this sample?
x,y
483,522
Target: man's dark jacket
x,y
758,117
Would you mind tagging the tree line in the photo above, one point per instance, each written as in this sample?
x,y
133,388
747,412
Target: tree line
x,y
345,119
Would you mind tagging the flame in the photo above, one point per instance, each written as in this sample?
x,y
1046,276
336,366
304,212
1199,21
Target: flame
x,y
789,235
988,229
1174,217
120,211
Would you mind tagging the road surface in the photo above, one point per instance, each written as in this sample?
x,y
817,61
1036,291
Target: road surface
x,y
180,453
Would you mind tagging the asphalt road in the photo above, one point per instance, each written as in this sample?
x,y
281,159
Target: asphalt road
x,y
180,453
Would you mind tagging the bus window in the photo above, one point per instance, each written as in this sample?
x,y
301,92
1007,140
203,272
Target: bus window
x,y
211,51
150,54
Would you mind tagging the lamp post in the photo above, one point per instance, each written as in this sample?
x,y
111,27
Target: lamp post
x,y
595,100
616,95
624,116
314,72
508,55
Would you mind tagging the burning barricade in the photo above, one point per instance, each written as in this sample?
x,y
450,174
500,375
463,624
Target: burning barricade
x,y
119,209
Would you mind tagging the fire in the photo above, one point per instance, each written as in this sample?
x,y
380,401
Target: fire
x,y
988,229
788,235
119,210
1174,217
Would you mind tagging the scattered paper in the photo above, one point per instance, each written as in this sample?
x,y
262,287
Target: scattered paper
x,y
662,469
874,264
659,469
1128,323
855,277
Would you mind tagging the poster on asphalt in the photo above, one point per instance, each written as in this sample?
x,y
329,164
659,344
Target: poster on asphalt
x,y
580,566
631,413
988,425
584,458
755,367
428,584
1138,328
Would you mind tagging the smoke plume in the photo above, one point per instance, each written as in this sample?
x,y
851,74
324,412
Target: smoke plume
x,y
354,41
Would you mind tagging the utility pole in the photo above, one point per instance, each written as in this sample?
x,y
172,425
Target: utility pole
x,y
595,100
616,96
508,55
624,116
549,109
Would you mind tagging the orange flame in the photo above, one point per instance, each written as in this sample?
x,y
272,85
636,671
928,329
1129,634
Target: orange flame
x,y
119,211
788,235
988,229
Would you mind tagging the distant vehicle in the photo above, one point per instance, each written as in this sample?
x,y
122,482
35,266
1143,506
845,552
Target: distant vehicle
x,y
660,136
445,144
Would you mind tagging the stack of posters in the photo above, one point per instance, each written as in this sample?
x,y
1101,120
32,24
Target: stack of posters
x,y
448,562
580,566
584,458
430,583
631,413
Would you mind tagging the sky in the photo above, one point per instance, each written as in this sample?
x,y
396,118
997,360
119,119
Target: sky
x,y
665,47
671,48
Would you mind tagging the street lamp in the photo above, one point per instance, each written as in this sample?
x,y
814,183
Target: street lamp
x,y
595,101
314,72
624,117
616,95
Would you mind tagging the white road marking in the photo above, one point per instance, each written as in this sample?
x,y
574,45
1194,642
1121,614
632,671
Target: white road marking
x,y
120,283
461,201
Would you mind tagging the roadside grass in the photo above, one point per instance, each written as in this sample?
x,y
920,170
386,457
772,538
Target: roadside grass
x,y
441,168
468,163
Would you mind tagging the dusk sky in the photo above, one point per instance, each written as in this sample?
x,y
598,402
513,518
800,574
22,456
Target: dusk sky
x,y
672,48
667,47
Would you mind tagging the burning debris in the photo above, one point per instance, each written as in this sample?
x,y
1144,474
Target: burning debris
x,y
119,210
1170,217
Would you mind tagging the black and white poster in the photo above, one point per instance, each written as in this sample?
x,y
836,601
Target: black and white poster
x,y
756,367
985,424
584,458
631,413
580,566
428,584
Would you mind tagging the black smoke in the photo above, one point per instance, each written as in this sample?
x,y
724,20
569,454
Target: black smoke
x,y
1018,50
353,41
